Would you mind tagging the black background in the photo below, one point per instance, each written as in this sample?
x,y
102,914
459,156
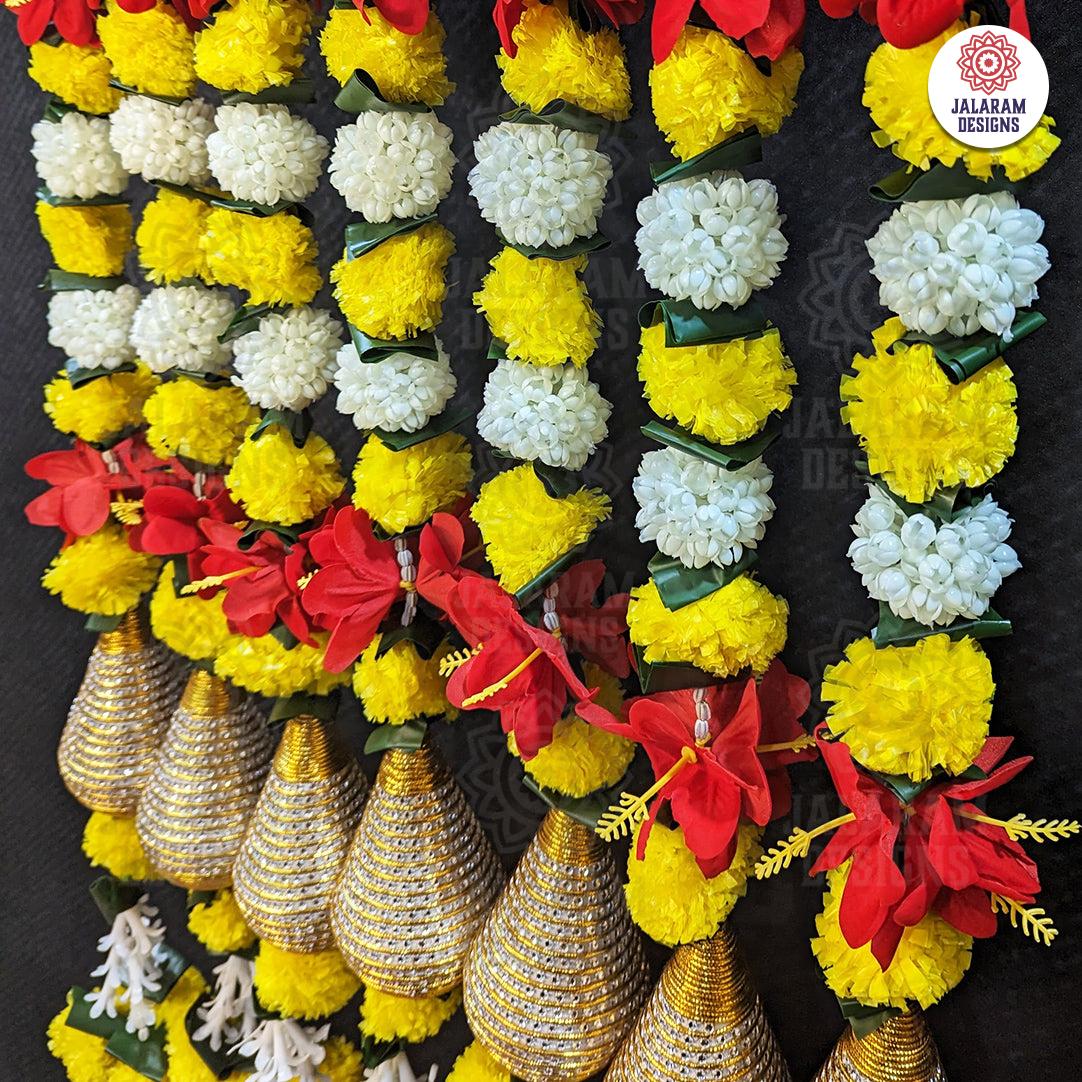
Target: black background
x,y
1015,1014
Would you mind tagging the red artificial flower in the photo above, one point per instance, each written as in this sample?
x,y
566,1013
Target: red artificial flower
x,y
909,23
446,543
784,699
507,13
768,27
515,668
82,483
407,16
594,631
172,513
73,19
356,583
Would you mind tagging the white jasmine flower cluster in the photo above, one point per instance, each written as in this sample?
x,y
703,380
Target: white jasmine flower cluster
x,y
288,361
400,393
92,326
699,513
929,573
712,240
392,165
552,413
539,184
74,158
178,327
264,153
162,141
959,265
281,1049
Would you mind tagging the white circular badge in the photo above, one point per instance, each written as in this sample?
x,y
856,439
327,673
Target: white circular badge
x,y
988,86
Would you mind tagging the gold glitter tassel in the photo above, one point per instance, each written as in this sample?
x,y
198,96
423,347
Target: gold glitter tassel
x,y
118,718
297,839
554,981
195,809
900,1050
420,877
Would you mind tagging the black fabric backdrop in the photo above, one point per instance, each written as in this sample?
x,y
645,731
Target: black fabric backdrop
x,y
1013,1016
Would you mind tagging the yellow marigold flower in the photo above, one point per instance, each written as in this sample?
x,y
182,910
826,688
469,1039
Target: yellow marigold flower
x,y
582,758
219,926
739,625
184,1062
201,421
110,842
150,51
102,408
669,897
253,44
343,1061
101,573
400,685
525,529
709,89
723,392
385,1017
909,709
931,959
539,308
277,481
406,68
303,985
474,1064
556,58
77,74
896,94
400,489
82,1055
193,627
189,987
273,258
168,238
920,431
87,240
396,289
264,666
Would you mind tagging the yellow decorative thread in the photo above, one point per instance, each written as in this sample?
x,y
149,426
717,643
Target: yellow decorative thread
x,y
795,847
504,681
621,817
1031,919
1037,830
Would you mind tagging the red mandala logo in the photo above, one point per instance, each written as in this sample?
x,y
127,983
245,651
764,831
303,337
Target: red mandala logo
x,y
989,62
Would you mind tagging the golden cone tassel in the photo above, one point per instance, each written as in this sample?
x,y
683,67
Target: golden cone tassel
x,y
297,839
195,809
420,877
555,979
703,1022
118,718
900,1050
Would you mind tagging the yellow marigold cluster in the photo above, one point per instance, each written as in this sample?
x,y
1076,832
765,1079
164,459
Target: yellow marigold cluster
x,y
400,685
896,94
920,431
150,51
406,68
739,625
709,89
400,489
723,392
385,1017
101,409
556,58
82,1055
101,573
539,308
525,529
582,758
396,289
669,897
87,240
474,1064
931,959
303,985
201,421
277,481
253,44
273,258
77,74
168,238
910,709
219,925
264,666
110,842
193,627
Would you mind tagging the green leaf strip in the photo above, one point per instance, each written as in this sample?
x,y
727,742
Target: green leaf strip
x,y
729,457
909,185
373,350
527,592
361,237
445,422
246,319
43,195
579,246
62,281
894,631
408,736
678,585
361,94
561,114
668,675
686,325
298,425
742,149
227,202
301,91
320,707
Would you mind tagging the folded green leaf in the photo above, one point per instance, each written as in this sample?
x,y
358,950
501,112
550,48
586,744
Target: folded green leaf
x,y
79,1017
372,350
62,281
246,319
729,457
561,114
894,631
301,91
424,632
99,622
584,809
686,325
78,375
218,198
361,237
668,675
910,185
579,246
361,94
865,1019
221,1063
320,707
742,149
679,585
144,1057
445,422
408,736
526,593
297,424
43,195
